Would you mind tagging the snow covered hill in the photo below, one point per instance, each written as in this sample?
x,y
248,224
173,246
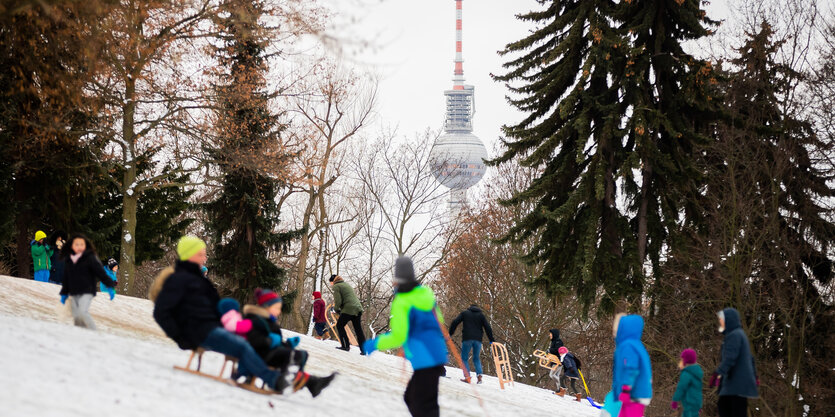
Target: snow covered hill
x,y
50,368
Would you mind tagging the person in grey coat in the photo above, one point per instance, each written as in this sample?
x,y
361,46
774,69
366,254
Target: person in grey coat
x,y
736,375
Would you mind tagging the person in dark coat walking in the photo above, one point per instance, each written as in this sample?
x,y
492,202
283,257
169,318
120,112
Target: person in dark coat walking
x,y
56,273
348,306
554,349
81,271
185,307
736,375
471,336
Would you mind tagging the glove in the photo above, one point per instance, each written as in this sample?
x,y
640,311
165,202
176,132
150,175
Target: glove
x,y
369,346
243,327
275,340
63,299
293,341
714,380
674,405
112,292
625,394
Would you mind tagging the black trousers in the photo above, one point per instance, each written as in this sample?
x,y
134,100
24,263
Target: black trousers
x,y
733,406
281,357
421,394
343,321
566,380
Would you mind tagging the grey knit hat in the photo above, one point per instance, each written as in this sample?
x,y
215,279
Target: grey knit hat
x,y
404,272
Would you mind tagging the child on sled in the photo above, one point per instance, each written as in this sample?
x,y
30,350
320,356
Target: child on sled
x,y
259,325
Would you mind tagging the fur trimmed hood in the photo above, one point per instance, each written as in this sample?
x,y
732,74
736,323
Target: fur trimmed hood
x,y
159,281
256,310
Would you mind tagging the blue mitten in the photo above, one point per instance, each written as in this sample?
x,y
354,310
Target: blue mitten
x,y
112,292
276,340
63,299
369,346
293,341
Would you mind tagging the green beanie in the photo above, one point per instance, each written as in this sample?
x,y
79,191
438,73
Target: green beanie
x,y
188,246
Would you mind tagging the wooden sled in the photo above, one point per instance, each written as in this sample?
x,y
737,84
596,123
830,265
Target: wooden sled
x,y
547,360
249,386
502,362
330,315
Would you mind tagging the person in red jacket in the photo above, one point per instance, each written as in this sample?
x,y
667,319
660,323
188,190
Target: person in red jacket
x,y
320,323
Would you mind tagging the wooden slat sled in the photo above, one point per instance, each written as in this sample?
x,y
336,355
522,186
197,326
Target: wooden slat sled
x,y
330,315
547,360
502,362
249,386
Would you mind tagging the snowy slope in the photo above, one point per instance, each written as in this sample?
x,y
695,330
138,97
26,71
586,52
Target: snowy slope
x,y
50,368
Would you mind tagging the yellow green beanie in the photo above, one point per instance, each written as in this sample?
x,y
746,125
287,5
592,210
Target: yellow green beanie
x,y
188,246
40,235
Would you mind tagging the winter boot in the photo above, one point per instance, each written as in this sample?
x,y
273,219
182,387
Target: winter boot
x,y
467,380
316,384
479,379
300,380
347,349
579,397
561,392
280,383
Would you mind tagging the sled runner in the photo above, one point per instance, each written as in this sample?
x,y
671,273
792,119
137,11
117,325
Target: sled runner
x,y
502,361
547,360
249,386
331,317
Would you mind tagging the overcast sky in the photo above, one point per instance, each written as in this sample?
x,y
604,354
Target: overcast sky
x,y
412,49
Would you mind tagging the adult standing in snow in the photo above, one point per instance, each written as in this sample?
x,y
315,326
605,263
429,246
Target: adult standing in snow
x,y
632,372
416,325
56,273
185,307
41,252
471,335
554,349
736,375
320,323
81,271
348,307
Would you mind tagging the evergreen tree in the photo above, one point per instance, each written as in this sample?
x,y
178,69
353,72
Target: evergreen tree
x,y
244,217
585,81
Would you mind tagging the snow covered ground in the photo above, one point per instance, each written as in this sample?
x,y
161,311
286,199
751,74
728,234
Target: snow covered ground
x,y
50,368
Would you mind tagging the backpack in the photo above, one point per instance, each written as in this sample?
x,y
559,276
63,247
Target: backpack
x,y
577,360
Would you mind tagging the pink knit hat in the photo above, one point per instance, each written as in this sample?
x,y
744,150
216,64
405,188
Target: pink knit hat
x,y
689,356
563,350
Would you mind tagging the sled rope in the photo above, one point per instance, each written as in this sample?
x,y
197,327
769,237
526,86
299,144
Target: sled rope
x,y
588,395
457,356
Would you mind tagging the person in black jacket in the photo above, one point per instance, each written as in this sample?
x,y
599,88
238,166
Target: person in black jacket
x,y
554,349
736,375
185,307
81,271
471,335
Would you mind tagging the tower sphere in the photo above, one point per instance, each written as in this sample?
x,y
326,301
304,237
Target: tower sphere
x,y
457,160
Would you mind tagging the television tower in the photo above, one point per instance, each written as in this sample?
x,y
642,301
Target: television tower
x,y
458,155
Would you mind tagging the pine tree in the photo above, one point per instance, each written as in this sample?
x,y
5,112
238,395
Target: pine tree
x,y
244,218
585,82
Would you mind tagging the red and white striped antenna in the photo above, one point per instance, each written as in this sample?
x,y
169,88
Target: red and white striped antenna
x,y
458,79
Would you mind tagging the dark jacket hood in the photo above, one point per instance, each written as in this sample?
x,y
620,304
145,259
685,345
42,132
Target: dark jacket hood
x,y
555,333
732,321
474,308
630,327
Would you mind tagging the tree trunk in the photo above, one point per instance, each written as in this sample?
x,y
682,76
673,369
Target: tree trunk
x,y
23,220
301,266
646,180
130,197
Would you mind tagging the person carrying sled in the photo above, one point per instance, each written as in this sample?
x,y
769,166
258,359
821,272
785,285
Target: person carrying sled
x,y
348,306
632,371
736,375
260,327
572,373
320,322
81,271
41,252
688,393
471,335
185,307
416,326
554,349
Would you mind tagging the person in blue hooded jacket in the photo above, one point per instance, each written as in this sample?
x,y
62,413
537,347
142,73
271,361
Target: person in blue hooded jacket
x,y
416,326
632,372
736,375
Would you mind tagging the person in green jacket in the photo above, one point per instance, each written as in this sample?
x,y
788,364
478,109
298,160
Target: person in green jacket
x,y
689,390
348,306
416,326
41,252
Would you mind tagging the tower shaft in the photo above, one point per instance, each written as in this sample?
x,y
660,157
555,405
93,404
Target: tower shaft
x,y
458,78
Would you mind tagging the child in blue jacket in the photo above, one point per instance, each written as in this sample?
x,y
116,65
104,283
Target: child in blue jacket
x,y
111,268
689,390
632,371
